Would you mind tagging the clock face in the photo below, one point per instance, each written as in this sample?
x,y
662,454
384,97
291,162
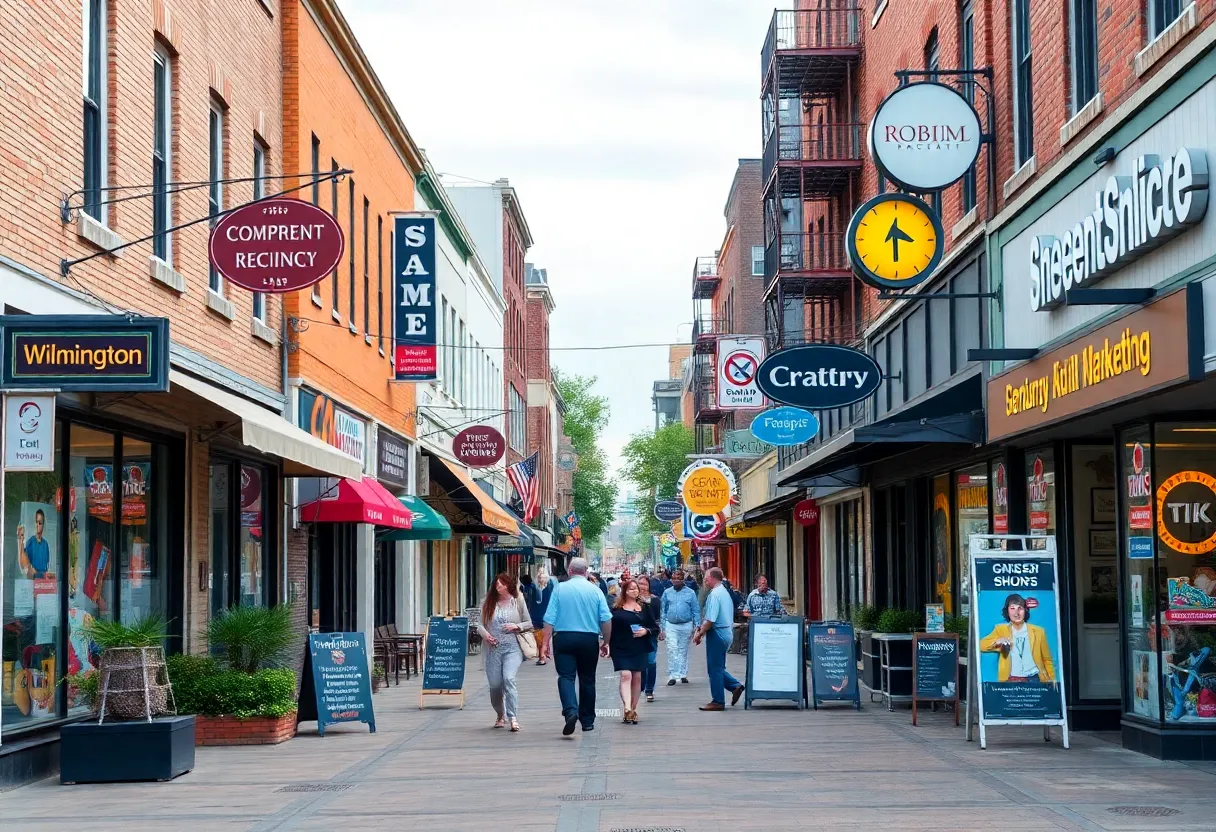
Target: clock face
x,y
895,241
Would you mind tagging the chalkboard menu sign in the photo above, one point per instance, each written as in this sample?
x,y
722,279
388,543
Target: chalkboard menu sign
x,y
336,686
447,643
935,669
776,668
833,663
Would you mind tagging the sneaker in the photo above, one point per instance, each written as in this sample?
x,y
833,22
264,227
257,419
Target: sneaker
x,y
650,697
670,682
568,728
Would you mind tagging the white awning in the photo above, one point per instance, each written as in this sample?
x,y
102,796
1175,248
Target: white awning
x,y
303,454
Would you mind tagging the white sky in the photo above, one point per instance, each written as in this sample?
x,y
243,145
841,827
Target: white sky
x,y
619,122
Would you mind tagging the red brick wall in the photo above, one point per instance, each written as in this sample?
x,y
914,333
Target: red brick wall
x,y
514,327
738,290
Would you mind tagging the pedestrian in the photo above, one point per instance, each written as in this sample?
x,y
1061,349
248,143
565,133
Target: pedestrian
x,y
537,596
718,631
763,602
651,606
680,614
504,621
577,618
631,631
660,582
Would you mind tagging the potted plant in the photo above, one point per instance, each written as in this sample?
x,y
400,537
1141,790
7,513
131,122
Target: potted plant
x,y
865,622
377,676
899,651
133,682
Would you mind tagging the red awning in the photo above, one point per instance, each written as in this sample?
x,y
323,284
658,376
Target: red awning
x,y
357,501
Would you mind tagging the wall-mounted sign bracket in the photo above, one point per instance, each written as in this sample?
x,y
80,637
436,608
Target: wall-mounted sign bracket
x,y
1108,297
939,296
1002,354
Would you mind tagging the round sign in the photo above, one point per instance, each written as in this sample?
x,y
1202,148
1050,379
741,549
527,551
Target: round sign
x,y
807,513
666,511
706,491
706,526
925,136
894,241
567,459
785,426
479,446
1186,521
739,368
276,246
819,376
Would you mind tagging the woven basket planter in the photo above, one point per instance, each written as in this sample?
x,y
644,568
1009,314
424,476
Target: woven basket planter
x,y
134,684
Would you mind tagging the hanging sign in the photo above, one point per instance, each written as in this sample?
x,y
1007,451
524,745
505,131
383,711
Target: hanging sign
x,y
785,426
895,241
336,684
925,136
705,526
85,353
706,486
29,432
666,511
479,447
806,513
833,663
819,376
738,361
742,444
1015,632
276,246
567,459
776,661
415,353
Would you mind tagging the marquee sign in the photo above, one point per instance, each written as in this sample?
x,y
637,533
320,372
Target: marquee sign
x,y
819,376
88,353
415,350
925,136
276,246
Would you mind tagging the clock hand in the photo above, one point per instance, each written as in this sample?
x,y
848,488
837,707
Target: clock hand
x,y
894,237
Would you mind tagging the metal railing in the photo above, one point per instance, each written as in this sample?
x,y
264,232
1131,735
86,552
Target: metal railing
x,y
812,143
827,28
805,253
704,277
705,327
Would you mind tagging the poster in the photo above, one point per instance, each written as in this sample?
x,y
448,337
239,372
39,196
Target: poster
x,y
935,618
1144,683
1137,601
774,658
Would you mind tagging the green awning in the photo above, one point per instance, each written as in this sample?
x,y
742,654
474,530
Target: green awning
x,y
428,524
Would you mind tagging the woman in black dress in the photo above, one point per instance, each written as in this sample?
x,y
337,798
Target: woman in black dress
x,y
632,629
651,608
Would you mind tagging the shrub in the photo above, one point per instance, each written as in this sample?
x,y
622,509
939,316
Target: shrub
x,y
866,617
146,631
900,621
88,684
253,638
201,686
958,624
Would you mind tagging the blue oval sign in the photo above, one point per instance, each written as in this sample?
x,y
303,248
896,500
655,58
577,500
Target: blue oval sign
x,y
819,376
785,426
667,511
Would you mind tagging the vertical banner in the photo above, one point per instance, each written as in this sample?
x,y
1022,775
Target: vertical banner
x,y
415,354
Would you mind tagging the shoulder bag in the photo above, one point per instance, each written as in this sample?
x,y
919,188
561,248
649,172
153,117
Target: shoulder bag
x,y
526,640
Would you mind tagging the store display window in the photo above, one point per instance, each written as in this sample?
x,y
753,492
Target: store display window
x,y
972,501
941,528
1041,491
241,554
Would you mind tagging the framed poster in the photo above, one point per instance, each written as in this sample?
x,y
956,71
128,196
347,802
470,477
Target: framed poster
x,y
1103,506
1103,543
776,667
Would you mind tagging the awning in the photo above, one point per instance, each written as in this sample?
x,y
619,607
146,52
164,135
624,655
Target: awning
x,y
426,523
770,511
303,455
951,414
468,497
739,530
356,501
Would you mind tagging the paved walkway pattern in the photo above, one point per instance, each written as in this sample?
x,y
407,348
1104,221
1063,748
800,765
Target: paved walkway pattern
x,y
772,768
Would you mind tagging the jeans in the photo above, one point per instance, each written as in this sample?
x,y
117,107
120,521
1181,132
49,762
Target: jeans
x,y
577,654
720,679
502,662
677,636
652,671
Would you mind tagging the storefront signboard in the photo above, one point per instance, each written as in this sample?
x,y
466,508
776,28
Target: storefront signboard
x,y
1157,346
784,426
336,684
392,459
29,432
833,663
776,664
479,447
925,136
414,328
320,416
87,353
806,512
1015,632
276,246
935,670
666,511
706,486
819,376
447,641
742,444
738,361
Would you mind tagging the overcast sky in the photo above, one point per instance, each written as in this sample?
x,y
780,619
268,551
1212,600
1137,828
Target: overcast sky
x,y
619,122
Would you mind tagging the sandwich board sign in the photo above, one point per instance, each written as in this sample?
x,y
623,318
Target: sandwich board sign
x,y
833,663
934,670
1016,674
446,646
776,664
336,683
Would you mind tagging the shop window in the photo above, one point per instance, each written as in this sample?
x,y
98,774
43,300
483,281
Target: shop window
x,y
941,530
240,552
972,502
1041,491
1145,627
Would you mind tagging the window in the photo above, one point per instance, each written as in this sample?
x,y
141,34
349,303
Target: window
x,y
461,380
333,186
757,261
161,125
452,342
94,107
350,248
519,426
316,199
215,192
1023,103
241,555
367,282
259,191
1084,52
380,280
966,43
1163,13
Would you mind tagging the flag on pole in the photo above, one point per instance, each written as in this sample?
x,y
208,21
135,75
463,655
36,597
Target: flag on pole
x,y
527,485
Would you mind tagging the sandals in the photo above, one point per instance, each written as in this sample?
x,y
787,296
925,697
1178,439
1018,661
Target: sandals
x,y
630,718
514,726
501,722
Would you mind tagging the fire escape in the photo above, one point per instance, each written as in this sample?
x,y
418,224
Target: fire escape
x,y
813,144
705,332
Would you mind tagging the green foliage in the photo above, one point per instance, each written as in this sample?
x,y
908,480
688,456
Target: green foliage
x,y
958,624
149,630
253,638
653,461
900,621
88,684
585,420
201,686
866,617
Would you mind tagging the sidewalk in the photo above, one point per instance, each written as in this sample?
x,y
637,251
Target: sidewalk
x,y
772,768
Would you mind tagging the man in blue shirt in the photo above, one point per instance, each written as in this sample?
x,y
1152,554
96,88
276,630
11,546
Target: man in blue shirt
x,y
763,602
35,553
577,617
680,613
719,624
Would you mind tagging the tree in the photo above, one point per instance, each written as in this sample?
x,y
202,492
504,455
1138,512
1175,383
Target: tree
x,y
586,418
653,463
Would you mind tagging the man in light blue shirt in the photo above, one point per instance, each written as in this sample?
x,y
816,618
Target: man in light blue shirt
x,y
578,615
719,624
680,613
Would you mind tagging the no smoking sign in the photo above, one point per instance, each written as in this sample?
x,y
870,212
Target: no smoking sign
x,y
738,362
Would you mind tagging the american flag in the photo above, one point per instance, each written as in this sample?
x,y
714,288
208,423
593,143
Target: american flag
x,y
527,485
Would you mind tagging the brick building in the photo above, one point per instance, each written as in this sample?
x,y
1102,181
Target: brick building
x,y
545,405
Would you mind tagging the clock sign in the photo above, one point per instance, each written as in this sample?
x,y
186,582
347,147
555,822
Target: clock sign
x,y
894,241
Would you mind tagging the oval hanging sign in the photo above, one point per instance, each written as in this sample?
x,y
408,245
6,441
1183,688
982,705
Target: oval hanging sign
x,y
276,246
806,512
785,426
665,511
479,447
925,136
819,376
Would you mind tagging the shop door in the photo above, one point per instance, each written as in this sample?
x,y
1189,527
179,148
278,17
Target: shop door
x,y
333,576
814,572
386,583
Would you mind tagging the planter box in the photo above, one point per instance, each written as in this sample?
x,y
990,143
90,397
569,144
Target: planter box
x,y
258,730
117,752
871,672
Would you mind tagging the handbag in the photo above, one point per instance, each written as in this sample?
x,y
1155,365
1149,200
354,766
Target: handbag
x,y
527,645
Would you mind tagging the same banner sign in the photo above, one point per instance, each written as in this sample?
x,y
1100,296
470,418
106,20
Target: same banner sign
x,y
415,348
